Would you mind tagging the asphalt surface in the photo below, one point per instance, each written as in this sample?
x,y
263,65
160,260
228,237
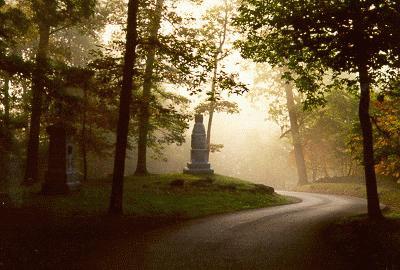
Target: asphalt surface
x,y
283,237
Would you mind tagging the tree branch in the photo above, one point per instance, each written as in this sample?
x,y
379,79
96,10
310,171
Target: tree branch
x,y
383,132
61,28
285,133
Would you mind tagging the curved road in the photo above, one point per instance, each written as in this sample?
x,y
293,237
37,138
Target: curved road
x,y
283,237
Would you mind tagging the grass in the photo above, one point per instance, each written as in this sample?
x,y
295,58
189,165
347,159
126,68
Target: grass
x,y
171,195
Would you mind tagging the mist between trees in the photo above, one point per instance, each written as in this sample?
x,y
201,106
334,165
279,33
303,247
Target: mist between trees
x,y
290,119
252,150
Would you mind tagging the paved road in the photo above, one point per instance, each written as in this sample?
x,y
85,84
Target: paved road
x,y
283,237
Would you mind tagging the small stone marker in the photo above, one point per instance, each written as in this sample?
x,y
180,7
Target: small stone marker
x,y
199,154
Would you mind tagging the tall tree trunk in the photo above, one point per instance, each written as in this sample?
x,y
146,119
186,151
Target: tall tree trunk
x,y
144,116
214,78
314,166
294,127
6,101
325,168
25,108
350,170
84,134
124,109
6,135
374,210
209,125
212,105
38,80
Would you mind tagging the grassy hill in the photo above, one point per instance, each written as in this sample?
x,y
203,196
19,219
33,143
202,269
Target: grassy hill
x,y
172,195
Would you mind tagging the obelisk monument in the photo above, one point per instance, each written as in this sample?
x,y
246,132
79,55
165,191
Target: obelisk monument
x,y
199,154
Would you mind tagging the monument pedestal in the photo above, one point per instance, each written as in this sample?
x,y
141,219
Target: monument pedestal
x,y
199,154
56,175
204,168
60,176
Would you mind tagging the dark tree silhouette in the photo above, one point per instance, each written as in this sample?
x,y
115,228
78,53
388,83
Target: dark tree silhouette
x,y
124,108
49,19
38,79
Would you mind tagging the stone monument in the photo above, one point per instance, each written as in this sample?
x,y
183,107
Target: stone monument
x,y
199,154
56,175
61,176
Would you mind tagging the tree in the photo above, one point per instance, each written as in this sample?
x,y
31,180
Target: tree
x,y
218,32
83,114
327,133
144,116
50,16
284,110
93,117
324,132
124,108
13,25
294,129
356,37
385,118
218,56
174,56
164,60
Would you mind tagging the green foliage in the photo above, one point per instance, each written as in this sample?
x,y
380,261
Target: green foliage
x,y
218,106
13,24
169,117
313,34
217,33
180,51
61,13
175,61
325,131
216,147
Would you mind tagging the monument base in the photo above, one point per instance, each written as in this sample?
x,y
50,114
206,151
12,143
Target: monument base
x,y
198,168
73,182
74,186
55,184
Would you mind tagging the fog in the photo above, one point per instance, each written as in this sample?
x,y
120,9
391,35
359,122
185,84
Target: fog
x,y
252,150
252,147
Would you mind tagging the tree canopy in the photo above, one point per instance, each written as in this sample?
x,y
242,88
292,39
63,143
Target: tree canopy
x,y
312,38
